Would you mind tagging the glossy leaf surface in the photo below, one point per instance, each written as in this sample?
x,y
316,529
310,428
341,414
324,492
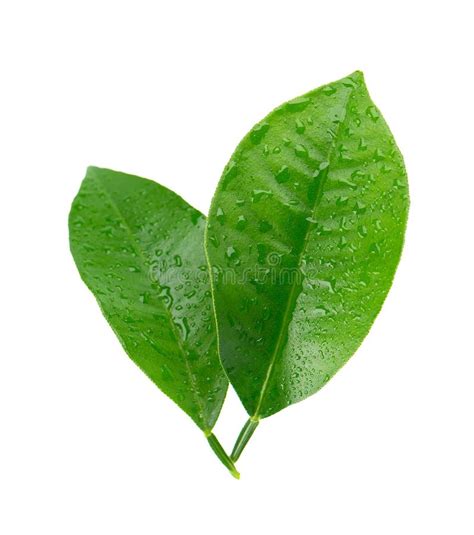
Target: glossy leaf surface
x,y
139,248
304,236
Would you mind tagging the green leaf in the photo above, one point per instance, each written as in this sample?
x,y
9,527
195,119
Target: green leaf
x,y
139,248
304,236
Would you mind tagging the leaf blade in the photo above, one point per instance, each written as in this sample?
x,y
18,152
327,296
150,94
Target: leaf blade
x,y
138,247
321,187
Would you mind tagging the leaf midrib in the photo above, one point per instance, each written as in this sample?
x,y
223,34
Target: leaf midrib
x,y
292,296
141,254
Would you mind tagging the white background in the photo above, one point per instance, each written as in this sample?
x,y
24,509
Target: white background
x,y
88,445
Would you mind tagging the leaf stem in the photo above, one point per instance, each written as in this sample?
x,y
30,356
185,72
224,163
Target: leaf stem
x,y
221,454
244,436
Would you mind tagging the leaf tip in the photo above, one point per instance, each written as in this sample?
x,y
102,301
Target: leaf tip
x,y
92,169
357,75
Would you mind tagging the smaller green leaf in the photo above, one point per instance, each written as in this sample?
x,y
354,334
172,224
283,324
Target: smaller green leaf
x,y
139,248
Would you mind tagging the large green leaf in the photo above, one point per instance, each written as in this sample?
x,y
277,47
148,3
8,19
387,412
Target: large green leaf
x,y
304,236
139,248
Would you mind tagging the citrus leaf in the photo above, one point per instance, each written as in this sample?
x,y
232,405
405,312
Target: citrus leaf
x,y
304,236
139,248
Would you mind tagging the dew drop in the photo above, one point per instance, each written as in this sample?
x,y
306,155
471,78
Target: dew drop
x,y
323,230
264,226
241,222
213,239
362,231
300,126
231,253
320,311
398,184
378,156
259,194
328,284
373,113
298,104
375,248
183,326
360,207
301,151
220,216
362,145
230,170
329,90
258,132
144,298
165,294
283,174
357,174
342,242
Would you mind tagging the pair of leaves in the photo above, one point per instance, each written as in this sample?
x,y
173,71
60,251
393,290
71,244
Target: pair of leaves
x,y
304,235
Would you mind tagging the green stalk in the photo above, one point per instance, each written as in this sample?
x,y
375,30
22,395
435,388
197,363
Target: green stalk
x,y
221,454
244,437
